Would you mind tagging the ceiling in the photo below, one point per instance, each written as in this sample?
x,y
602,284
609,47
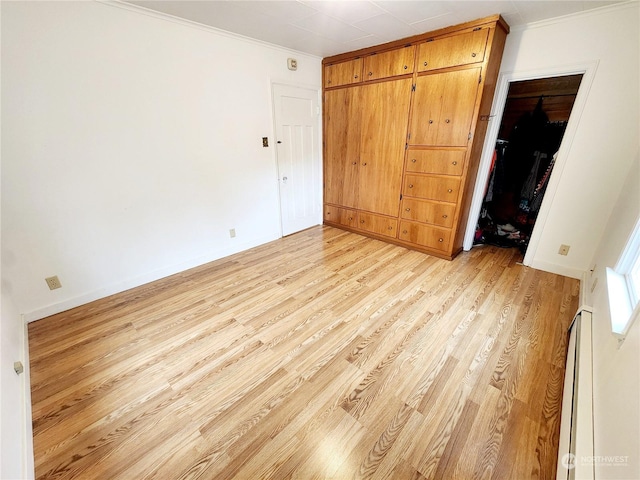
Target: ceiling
x,y
326,28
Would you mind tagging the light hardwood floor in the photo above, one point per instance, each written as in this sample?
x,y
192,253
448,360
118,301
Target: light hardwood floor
x,y
323,355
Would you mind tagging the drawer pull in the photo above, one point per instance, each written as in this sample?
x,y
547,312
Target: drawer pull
x,y
473,54
430,122
328,213
350,218
404,231
413,160
405,67
370,73
408,209
445,216
390,227
454,163
355,76
447,121
354,163
425,64
364,164
361,221
450,191
411,185
441,240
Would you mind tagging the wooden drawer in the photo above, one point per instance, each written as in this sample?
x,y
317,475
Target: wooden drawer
x,y
344,73
377,224
428,212
444,189
443,162
453,51
389,64
425,235
341,216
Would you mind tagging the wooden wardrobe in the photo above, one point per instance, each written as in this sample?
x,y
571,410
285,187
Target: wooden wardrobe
x,y
404,126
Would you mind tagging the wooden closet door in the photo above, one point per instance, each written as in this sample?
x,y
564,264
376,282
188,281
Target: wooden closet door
x,y
344,73
389,64
385,108
452,51
427,105
460,89
443,108
342,142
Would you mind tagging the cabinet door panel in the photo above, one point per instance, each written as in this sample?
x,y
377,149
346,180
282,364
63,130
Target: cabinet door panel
x,y
425,235
340,216
444,189
377,224
460,91
443,108
453,51
342,134
389,64
344,73
383,139
426,211
427,104
443,162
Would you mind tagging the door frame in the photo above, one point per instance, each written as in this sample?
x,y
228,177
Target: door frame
x,y
588,70
318,92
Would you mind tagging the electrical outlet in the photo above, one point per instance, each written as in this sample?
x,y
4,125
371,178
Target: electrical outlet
x,y
564,249
232,233
53,282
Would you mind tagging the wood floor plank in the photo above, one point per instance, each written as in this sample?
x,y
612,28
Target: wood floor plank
x,y
322,355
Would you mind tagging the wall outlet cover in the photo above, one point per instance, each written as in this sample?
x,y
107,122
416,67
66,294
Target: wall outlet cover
x,y
53,282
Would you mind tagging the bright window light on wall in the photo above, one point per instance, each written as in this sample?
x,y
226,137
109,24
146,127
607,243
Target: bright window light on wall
x,y
623,285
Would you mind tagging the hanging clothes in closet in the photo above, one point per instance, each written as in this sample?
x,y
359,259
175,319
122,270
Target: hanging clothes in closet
x,y
519,176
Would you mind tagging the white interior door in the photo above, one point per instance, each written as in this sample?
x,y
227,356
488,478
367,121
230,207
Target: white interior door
x,y
296,114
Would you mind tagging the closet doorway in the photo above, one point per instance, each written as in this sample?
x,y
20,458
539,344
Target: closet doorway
x,y
533,124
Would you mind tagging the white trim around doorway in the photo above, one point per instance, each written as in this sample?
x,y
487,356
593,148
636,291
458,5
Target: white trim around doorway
x,y
499,101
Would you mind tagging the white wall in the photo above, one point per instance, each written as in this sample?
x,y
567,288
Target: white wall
x,y
592,166
616,372
131,145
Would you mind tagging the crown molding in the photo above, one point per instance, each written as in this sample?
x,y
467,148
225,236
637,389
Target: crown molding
x,y
199,26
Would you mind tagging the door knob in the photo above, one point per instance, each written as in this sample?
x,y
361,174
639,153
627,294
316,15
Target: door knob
x,y
284,179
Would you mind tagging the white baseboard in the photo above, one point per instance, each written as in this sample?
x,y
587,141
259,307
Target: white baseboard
x,y
141,280
558,269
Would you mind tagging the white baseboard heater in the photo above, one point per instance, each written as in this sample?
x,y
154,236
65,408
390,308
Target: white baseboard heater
x,y
575,452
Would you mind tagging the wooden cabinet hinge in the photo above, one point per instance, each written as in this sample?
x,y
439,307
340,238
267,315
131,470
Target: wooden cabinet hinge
x,y
480,79
413,88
